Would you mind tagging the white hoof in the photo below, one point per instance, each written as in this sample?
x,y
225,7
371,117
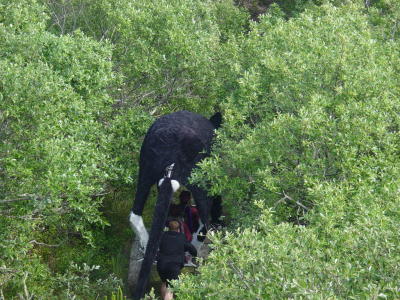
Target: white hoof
x,y
137,226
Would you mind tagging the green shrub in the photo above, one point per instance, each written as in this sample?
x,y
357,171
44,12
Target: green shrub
x,y
165,52
311,133
52,151
306,159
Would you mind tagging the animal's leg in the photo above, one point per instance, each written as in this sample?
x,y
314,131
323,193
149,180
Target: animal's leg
x,y
216,210
164,199
135,218
203,203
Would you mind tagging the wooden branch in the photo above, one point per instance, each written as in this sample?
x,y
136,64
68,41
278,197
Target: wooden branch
x,y
295,201
279,201
241,275
287,197
43,244
26,295
100,194
238,272
394,30
23,198
3,269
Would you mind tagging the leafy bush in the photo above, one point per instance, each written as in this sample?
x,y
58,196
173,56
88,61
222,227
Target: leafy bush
x,y
165,52
306,159
52,155
64,139
311,133
167,56
284,261
76,283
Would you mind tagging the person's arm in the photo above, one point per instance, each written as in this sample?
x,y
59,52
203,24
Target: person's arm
x,y
190,248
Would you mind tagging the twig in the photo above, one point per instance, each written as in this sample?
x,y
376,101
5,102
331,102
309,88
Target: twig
x,y
13,200
23,197
26,295
100,194
3,269
287,197
279,201
295,201
43,244
240,273
394,29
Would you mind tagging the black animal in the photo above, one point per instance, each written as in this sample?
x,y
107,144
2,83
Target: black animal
x,y
172,147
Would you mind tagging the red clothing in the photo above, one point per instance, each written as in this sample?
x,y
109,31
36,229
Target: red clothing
x,y
192,218
185,229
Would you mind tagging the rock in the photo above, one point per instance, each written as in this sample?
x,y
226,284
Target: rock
x,y
204,249
135,263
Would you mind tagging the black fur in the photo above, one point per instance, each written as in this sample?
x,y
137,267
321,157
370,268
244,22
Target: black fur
x,y
183,138
216,119
160,213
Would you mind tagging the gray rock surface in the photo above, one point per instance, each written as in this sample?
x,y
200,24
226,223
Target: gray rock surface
x,y
135,263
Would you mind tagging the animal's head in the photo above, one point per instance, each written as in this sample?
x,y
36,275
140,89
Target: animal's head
x,y
216,120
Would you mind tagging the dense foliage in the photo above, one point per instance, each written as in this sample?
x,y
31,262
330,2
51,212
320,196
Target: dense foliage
x,y
53,97
306,160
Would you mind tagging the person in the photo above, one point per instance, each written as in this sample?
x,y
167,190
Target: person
x,y
191,214
171,257
186,213
175,213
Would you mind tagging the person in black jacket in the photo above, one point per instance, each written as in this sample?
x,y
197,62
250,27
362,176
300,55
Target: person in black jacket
x,y
171,258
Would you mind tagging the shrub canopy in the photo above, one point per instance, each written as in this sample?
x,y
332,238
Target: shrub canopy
x,y
306,159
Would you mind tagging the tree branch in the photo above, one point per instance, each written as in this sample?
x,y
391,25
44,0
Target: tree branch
x,y
23,197
241,275
43,244
26,295
295,201
287,197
